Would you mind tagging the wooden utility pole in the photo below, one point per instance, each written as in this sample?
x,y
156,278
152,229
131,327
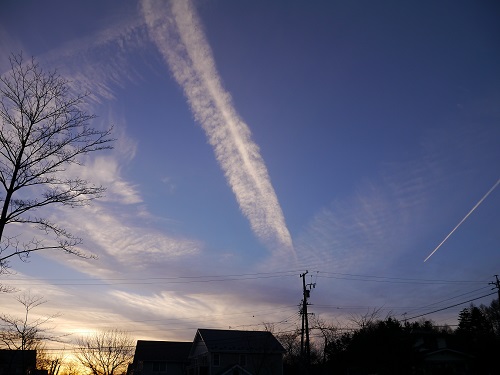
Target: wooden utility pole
x,y
305,349
496,285
305,323
303,308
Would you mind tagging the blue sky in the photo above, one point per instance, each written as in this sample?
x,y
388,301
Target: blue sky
x,y
259,139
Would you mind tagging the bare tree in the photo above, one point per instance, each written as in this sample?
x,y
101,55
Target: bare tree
x,y
51,362
106,352
43,131
329,332
70,368
291,343
367,319
268,327
22,333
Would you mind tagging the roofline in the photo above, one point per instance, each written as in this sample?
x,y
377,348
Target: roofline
x,y
273,351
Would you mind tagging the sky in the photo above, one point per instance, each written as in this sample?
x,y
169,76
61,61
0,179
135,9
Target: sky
x,y
257,140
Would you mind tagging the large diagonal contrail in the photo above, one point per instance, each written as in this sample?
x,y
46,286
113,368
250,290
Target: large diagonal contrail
x,y
177,32
465,218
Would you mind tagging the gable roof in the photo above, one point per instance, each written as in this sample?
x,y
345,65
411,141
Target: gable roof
x,y
172,351
240,369
220,340
446,355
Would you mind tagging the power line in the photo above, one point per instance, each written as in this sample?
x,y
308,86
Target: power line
x,y
448,299
449,307
398,280
237,277
296,328
390,308
160,280
291,272
287,274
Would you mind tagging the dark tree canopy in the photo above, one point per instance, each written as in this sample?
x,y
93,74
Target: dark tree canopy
x,y
44,130
391,346
478,335
474,320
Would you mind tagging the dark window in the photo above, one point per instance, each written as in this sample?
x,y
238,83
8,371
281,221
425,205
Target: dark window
x,y
243,360
159,366
216,359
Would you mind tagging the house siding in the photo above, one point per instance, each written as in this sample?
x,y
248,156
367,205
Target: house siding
x,y
256,363
199,348
160,358
170,369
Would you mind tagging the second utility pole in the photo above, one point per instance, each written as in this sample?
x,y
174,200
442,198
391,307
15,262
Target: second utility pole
x,y
496,285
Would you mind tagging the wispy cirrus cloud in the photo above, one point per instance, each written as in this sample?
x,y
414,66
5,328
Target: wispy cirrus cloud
x,y
121,242
387,215
118,227
188,311
349,234
9,43
177,32
100,64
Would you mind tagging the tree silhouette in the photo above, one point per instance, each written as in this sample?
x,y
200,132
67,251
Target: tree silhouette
x,y
20,332
43,131
473,320
492,313
477,336
106,353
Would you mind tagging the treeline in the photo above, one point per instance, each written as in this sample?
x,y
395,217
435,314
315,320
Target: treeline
x,y
392,346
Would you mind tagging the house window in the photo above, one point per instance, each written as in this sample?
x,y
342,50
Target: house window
x,y
159,366
202,361
243,360
216,359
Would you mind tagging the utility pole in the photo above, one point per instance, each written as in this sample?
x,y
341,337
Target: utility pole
x,y
496,285
305,349
303,312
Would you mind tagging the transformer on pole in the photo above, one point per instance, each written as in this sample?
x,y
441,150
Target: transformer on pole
x,y
305,349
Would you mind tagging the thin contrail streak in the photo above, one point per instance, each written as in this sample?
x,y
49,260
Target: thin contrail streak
x,y
465,218
178,34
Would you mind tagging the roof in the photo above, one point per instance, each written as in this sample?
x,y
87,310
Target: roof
x,y
238,368
447,355
16,361
172,351
18,356
218,340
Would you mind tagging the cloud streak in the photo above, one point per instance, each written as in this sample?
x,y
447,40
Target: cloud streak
x,y
177,32
465,218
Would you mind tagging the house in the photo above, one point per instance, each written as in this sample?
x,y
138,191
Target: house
x,y
447,361
434,356
160,357
230,352
13,362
